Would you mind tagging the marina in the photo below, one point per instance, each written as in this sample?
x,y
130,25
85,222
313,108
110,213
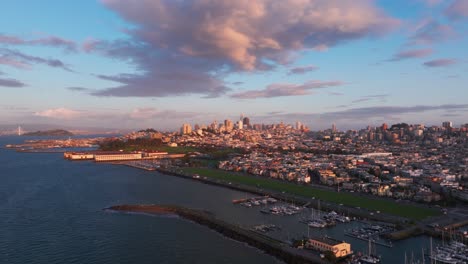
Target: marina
x,y
288,209
320,219
372,232
453,252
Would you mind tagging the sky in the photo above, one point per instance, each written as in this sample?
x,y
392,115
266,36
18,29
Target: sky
x,y
131,64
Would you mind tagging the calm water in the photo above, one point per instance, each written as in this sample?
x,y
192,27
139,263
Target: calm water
x,y
50,212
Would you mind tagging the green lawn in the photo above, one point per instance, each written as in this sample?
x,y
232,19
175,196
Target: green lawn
x,y
389,207
178,149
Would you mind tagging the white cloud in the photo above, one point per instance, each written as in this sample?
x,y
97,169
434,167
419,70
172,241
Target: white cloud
x,y
59,113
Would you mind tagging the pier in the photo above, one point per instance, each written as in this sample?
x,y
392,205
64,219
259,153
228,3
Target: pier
x,y
377,242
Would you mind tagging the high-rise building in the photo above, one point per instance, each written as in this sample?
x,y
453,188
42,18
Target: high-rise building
x,y
333,128
214,125
384,126
298,125
418,132
229,126
186,129
447,124
246,122
240,124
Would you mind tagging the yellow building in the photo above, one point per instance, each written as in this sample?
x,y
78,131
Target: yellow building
x,y
338,248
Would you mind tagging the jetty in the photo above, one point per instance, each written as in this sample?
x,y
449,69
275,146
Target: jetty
x,y
269,245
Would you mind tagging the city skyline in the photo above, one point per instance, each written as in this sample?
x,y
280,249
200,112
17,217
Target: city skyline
x,y
102,64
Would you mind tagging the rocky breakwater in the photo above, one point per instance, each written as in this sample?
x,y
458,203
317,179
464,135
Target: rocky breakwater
x,y
269,245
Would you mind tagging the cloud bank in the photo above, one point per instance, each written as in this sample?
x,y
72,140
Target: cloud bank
x,y
186,47
303,69
51,41
410,54
21,60
12,83
285,89
458,9
59,113
440,63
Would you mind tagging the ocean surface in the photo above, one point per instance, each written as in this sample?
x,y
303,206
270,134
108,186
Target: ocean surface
x,y
51,212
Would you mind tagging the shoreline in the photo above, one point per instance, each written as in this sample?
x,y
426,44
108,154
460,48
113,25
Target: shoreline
x,y
267,244
314,203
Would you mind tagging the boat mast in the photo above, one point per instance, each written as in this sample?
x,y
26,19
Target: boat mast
x,y
431,250
370,248
422,249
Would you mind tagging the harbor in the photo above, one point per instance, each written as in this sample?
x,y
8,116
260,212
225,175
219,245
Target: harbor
x,y
372,232
452,252
156,184
252,237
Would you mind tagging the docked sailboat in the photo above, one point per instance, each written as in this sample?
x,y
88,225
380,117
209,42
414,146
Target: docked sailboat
x,y
444,257
370,258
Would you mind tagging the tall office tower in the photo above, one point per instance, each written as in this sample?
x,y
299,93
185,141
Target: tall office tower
x,y
333,127
240,124
186,129
246,122
298,125
228,125
447,124
384,126
19,131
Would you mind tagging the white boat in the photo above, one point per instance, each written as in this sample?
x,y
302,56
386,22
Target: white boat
x,y
445,258
317,224
370,258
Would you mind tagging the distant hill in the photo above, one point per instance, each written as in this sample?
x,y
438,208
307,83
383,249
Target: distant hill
x,y
55,132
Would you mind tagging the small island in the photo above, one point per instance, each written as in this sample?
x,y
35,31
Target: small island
x,y
54,133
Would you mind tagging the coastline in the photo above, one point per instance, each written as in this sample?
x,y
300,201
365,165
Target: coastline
x,y
292,198
267,244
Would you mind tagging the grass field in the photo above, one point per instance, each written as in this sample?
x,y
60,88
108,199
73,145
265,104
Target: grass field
x,y
389,207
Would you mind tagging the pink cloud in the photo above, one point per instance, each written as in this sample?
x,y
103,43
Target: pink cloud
x,y
429,31
303,69
409,54
440,63
52,41
285,89
457,9
209,38
21,60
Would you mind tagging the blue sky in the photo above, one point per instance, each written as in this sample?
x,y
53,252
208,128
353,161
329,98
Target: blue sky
x,y
161,63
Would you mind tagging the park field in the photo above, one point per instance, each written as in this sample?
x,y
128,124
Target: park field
x,y
385,206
